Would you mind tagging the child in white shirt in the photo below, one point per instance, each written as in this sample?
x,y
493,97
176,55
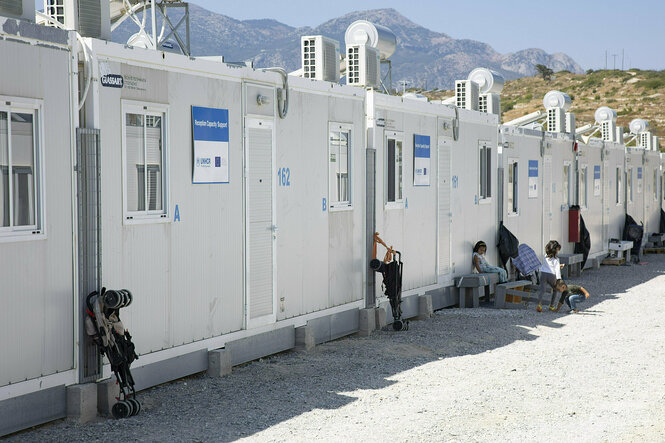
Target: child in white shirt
x,y
550,273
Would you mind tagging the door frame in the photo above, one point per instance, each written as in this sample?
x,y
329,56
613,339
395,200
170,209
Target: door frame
x,y
257,123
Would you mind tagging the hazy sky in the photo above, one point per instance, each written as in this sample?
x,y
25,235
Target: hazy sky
x,y
583,29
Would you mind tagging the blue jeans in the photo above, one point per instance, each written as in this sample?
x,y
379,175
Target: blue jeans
x,y
503,275
574,299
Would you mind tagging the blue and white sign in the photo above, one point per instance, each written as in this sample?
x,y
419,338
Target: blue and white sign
x,y
421,160
210,133
533,178
596,180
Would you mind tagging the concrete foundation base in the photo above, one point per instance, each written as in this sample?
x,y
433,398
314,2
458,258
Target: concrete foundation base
x,y
82,402
219,363
425,310
366,322
305,339
380,318
107,393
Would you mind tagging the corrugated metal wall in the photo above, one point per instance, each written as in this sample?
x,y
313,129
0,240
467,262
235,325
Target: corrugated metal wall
x,y
37,290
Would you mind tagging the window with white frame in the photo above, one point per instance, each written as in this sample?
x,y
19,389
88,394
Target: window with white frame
x,y
394,169
20,178
145,172
339,165
485,170
512,189
565,188
618,186
629,185
582,197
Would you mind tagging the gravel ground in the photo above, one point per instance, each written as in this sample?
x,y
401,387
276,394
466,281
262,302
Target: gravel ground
x,y
464,375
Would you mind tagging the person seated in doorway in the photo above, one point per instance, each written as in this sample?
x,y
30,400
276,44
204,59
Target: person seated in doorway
x,y
481,265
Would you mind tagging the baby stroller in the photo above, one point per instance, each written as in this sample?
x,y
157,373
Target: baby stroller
x,y
103,324
526,263
391,270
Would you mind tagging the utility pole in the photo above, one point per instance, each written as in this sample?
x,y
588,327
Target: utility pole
x,y
622,54
403,83
615,61
606,59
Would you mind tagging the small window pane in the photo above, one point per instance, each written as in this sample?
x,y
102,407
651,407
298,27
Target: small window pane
x,y
4,170
332,166
564,188
343,165
398,165
391,170
618,186
135,159
23,165
154,158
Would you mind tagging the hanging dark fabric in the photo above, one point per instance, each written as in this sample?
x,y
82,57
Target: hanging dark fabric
x,y
508,244
662,222
633,232
584,245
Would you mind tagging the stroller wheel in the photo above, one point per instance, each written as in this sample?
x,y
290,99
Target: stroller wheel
x,y
130,297
398,325
122,409
136,406
112,299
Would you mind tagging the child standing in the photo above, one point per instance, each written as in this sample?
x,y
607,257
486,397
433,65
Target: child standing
x,y
572,295
550,273
481,265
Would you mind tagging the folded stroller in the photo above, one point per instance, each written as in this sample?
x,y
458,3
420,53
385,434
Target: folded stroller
x,y
391,269
526,263
103,324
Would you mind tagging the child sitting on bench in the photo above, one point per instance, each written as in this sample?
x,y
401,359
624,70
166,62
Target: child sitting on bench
x,y
481,265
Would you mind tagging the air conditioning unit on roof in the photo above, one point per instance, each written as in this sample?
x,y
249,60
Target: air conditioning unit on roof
x,y
490,103
363,66
320,58
466,94
91,18
556,103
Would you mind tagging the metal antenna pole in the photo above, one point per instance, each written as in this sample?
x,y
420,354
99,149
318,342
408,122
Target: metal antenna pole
x,y
615,61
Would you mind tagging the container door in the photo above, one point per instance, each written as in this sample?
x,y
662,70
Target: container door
x,y
547,198
260,229
444,216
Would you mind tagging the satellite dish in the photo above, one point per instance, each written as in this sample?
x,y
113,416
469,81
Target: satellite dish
x,y
557,99
488,81
605,114
362,32
638,125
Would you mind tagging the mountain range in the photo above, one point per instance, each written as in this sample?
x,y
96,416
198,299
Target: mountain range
x,y
426,59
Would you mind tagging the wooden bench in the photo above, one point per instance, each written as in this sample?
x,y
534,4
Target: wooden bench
x,y
573,264
470,285
513,293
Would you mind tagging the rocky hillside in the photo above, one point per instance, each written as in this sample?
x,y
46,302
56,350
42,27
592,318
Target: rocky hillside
x,y
632,94
425,58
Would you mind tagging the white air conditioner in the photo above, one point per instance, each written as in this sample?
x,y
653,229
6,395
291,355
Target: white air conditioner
x,y
466,94
21,9
320,58
655,145
490,103
363,66
570,123
608,131
645,140
619,135
91,18
556,120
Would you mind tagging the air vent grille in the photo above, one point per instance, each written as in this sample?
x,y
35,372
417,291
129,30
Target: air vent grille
x,y
309,58
90,20
56,10
353,66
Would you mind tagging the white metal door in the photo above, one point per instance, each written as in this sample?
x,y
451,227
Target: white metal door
x,y
444,206
547,198
260,226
